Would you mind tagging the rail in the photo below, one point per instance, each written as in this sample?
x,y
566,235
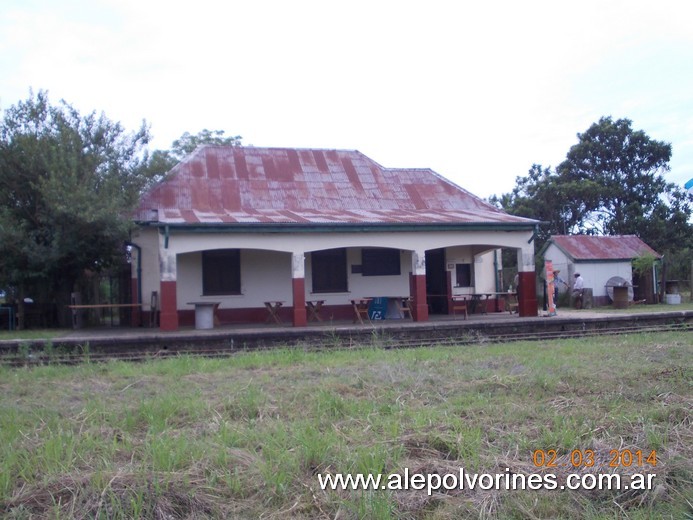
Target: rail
x,y
83,355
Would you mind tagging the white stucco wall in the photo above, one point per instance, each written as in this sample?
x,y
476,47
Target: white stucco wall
x,y
363,286
265,275
148,240
266,261
595,274
483,268
182,242
559,259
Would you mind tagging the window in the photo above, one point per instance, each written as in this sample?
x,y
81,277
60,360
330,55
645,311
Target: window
x,y
329,270
221,272
463,275
380,262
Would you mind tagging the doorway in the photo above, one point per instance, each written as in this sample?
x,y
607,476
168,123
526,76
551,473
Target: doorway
x,y
436,281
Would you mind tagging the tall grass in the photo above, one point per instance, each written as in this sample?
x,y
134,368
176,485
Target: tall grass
x,y
247,436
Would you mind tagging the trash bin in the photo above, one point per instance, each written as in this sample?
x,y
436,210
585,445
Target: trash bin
x,y
672,296
620,297
204,314
621,292
672,299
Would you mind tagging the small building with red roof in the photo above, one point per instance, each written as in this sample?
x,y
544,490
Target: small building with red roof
x,y
241,226
600,260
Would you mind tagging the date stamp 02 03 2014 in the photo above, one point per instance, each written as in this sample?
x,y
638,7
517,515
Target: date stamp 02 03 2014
x,y
624,458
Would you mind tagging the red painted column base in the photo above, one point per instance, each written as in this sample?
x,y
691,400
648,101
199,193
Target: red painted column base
x,y
298,286
136,313
527,294
168,317
417,288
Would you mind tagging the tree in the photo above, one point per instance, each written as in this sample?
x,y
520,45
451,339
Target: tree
x,y
612,182
626,169
545,196
67,186
161,161
187,143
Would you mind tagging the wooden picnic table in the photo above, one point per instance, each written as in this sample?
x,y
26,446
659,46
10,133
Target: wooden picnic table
x,y
404,303
105,306
102,306
273,307
509,299
477,301
314,307
360,306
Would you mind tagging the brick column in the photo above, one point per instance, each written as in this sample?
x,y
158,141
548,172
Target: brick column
x,y
527,294
417,286
168,316
299,310
136,311
298,287
527,282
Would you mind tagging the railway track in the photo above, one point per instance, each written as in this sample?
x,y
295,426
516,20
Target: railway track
x,y
379,339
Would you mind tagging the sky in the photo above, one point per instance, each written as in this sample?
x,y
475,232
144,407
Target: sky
x,y
477,91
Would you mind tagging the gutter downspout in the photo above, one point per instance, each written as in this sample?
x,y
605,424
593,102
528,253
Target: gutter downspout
x,y
495,268
139,270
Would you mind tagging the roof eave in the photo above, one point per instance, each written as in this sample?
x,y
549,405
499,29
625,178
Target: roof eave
x,y
255,227
580,259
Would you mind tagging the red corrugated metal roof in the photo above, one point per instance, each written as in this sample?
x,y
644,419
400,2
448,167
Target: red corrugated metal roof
x,y
226,185
619,247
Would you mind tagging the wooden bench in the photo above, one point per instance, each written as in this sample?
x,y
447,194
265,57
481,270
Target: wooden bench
x,y
459,304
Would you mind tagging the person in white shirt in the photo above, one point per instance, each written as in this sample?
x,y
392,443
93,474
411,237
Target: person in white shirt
x,y
556,280
578,287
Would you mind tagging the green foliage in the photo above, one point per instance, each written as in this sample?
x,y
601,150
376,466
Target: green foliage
x,y
161,161
644,263
611,183
67,185
627,192
187,142
679,262
543,195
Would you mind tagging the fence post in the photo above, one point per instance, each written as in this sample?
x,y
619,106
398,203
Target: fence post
x,y
76,299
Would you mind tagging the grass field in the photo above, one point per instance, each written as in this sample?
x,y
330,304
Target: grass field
x,y
247,436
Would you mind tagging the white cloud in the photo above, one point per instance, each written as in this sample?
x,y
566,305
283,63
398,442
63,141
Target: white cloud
x,y
476,91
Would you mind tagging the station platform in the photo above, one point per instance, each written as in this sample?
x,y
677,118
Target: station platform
x,y
445,329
